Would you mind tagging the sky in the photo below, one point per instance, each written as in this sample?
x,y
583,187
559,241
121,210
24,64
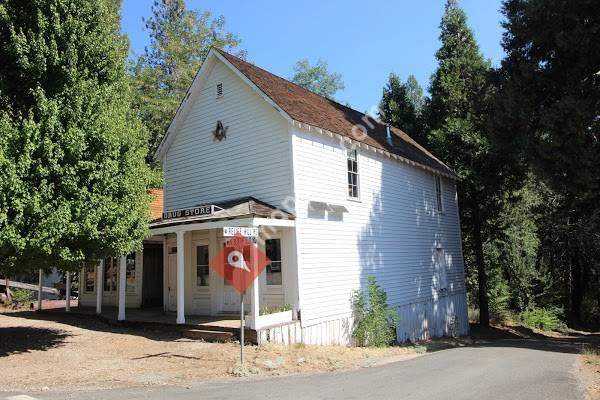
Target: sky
x,y
362,40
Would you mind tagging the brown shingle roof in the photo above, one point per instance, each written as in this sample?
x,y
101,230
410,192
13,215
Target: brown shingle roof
x,y
309,108
230,209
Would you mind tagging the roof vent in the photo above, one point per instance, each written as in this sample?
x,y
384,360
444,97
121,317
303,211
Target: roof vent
x,y
219,89
388,134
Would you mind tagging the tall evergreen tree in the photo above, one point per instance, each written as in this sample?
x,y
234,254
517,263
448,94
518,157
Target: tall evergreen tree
x,y
551,103
402,106
180,40
317,78
72,171
456,115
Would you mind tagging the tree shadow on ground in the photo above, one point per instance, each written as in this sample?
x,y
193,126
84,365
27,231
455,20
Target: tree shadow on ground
x,y
21,339
94,323
516,336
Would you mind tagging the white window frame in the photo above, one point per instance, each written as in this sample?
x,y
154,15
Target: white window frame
x,y
105,287
438,193
357,173
131,288
280,262
85,274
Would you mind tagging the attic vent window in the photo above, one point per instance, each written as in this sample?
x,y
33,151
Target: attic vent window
x,y
219,89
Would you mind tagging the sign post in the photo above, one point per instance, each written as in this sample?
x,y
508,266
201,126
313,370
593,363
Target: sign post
x,y
239,262
242,330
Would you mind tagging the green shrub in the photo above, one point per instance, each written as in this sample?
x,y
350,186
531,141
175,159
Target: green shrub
x,y
547,319
499,296
374,321
273,310
22,297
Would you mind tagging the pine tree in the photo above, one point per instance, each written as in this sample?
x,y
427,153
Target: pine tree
x,y
72,171
456,117
402,106
180,40
550,91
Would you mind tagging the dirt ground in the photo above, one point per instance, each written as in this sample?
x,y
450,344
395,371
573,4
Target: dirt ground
x,y
54,351
590,363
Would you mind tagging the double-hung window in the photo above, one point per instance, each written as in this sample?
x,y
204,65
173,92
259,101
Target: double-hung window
x,y
130,273
438,194
202,270
352,159
273,251
90,277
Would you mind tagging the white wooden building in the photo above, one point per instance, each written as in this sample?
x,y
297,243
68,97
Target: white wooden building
x,y
337,195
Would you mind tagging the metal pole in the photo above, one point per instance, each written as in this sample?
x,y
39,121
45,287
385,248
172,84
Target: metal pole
x,y
41,275
242,332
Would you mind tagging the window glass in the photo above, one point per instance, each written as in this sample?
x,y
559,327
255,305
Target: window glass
x,y
202,270
352,159
110,274
90,277
273,251
438,192
130,272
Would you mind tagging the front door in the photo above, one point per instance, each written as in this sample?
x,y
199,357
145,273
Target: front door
x,y
231,297
172,279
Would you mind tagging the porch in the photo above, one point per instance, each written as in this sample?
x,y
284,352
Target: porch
x,y
173,271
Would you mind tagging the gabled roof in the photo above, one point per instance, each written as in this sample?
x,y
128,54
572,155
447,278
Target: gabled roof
x,y
307,108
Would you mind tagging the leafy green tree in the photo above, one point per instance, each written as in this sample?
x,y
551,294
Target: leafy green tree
x,y
180,40
72,171
317,78
550,88
460,98
402,106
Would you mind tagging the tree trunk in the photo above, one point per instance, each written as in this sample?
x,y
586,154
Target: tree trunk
x,y
578,289
484,312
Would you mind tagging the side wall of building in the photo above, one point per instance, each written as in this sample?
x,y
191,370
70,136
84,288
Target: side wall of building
x,y
392,232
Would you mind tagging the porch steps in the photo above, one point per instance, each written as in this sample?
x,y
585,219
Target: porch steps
x,y
209,335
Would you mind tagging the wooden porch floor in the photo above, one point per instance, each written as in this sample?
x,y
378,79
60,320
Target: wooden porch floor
x,y
156,316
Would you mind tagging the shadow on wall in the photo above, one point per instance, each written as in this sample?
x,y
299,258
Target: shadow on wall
x,y
401,250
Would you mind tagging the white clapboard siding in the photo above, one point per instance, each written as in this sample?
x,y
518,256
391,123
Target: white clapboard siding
x,y
252,161
391,233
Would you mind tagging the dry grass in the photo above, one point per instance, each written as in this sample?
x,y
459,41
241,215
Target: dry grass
x,y
591,362
45,354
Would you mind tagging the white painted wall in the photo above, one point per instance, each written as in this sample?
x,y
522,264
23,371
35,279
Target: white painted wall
x,y
390,233
252,161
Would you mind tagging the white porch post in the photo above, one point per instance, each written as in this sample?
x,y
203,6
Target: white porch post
x,y
68,291
40,276
122,284
180,278
254,299
99,285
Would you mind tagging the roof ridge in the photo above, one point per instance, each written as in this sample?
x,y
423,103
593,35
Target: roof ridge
x,y
304,112
289,81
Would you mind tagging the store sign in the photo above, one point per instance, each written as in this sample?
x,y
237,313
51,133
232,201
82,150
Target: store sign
x,y
230,231
189,212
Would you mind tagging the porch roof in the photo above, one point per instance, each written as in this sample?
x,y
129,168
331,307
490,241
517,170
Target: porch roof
x,y
240,211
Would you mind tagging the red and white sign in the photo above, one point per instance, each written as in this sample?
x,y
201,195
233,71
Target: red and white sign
x,y
239,262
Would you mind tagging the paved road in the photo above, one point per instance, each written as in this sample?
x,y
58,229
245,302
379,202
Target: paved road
x,y
508,369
